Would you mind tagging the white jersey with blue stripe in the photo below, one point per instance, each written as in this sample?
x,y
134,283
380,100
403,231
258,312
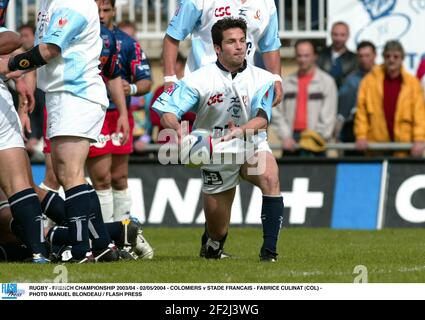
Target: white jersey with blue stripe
x,y
217,98
74,26
198,17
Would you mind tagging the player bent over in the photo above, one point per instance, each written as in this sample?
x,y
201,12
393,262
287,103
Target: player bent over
x,y
245,104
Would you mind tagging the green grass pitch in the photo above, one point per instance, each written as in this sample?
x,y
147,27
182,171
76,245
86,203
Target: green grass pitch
x,y
306,256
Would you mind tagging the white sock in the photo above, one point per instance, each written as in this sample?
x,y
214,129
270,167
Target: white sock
x,y
46,188
122,204
48,223
106,204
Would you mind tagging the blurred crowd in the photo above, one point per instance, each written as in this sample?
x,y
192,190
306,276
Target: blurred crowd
x,y
340,96
334,95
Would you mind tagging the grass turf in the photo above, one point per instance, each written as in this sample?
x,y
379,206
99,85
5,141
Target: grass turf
x,y
306,255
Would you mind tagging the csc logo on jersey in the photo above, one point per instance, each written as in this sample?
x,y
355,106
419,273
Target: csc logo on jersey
x,y
222,11
217,98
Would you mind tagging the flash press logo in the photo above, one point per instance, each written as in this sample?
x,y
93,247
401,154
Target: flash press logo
x,y
10,291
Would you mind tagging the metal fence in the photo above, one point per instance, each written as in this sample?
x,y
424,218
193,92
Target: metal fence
x,y
297,18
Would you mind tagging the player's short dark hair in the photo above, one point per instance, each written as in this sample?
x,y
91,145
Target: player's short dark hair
x,y
310,42
225,24
27,26
112,2
366,44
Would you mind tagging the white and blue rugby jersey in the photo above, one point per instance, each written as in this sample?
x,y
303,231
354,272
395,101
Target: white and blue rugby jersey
x,y
220,98
74,26
198,17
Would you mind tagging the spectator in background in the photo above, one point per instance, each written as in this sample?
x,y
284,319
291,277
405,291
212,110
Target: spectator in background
x,y
337,60
309,103
391,105
347,94
27,33
155,118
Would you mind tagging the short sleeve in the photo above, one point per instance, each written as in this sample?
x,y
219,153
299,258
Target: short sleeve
x,y
64,28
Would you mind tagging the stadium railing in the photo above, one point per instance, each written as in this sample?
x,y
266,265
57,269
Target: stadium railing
x,y
297,18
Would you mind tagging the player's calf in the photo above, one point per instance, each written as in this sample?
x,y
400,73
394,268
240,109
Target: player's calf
x,y
26,210
271,217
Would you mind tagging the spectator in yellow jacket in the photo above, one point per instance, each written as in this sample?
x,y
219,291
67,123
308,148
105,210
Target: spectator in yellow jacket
x,y
391,106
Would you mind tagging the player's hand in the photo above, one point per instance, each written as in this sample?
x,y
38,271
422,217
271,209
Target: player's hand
x,y
362,144
233,132
4,66
25,122
15,74
418,149
288,144
26,97
168,85
126,87
278,93
123,128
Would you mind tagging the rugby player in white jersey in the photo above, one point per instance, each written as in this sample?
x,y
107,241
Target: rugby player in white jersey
x,y
67,50
196,17
15,176
236,99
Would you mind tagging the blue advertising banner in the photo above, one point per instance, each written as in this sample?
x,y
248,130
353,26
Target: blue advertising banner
x,y
357,195
326,194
